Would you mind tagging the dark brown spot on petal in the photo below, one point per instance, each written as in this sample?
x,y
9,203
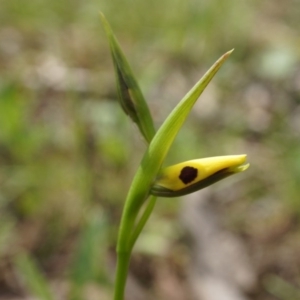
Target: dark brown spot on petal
x,y
188,174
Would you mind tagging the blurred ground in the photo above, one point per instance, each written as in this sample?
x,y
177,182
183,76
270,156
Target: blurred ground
x,y
68,154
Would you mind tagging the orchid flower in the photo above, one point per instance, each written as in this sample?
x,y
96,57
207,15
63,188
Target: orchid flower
x,y
190,176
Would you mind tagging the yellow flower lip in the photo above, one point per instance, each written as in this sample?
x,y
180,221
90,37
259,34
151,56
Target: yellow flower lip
x,y
192,175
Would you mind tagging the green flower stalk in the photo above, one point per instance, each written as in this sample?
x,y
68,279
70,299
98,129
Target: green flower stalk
x,y
190,176
150,181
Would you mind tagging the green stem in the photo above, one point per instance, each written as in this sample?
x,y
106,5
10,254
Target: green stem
x,y
143,220
124,246
124,251
121,275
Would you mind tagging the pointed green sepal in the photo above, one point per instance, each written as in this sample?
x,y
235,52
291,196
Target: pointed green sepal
x,y
190,176
130,95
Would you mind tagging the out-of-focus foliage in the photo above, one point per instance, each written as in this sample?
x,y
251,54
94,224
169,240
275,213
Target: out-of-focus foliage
x,y
68,153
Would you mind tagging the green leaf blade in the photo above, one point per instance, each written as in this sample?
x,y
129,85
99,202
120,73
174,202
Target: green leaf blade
x,y
33,277
166,134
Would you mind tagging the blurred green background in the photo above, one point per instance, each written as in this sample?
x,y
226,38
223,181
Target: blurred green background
x,y
68,153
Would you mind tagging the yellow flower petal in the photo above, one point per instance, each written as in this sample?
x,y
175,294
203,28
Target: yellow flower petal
x,y
189,176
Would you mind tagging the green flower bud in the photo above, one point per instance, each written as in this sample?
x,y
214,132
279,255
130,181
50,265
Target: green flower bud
x,y
130,95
